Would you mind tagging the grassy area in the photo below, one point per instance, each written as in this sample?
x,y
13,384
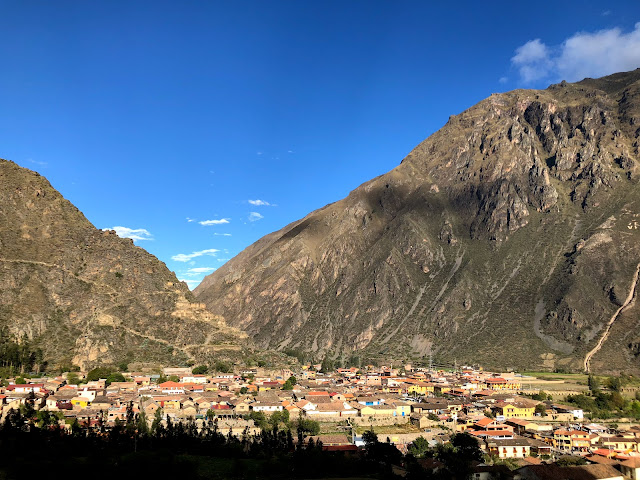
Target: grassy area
x,y
577,378
330,428
406,428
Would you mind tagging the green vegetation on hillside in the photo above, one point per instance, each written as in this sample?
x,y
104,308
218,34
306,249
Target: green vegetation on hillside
x,y
19,356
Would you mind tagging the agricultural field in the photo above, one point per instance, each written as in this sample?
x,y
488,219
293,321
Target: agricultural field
x,y
562,383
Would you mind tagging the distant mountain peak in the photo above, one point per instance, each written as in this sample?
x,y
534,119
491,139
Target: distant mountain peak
x,y
470,249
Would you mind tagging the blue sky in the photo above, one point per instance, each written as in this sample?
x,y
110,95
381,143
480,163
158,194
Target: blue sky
x,y
199,127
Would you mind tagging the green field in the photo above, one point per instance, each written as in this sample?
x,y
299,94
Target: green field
x,y
389,429
576,378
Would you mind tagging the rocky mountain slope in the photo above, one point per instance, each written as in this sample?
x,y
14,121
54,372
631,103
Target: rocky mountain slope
x,y
86,296
509,237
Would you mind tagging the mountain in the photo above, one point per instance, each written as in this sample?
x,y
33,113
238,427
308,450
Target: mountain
x,y
87,297
510,237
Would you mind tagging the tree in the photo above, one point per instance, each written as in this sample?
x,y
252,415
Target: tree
x,y
541,396
614,384
142,425
200,370
76,429
467,447
45,418
279,417
594,383
541,408
369,438
98,373
419,447
284,417
223,367
258,418
73,379
156,425
327,365
288,385
307,426
114,377
618,400
383,452
569,461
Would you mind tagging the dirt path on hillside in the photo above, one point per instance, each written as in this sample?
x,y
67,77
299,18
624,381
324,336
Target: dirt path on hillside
x,y
605,335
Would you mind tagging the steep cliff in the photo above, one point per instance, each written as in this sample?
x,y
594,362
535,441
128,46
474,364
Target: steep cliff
x,y
509,237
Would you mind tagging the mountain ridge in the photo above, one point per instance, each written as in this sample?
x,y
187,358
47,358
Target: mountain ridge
x,y
516,208
88,297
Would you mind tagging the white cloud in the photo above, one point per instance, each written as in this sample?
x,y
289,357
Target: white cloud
x,y
258,153
222,234
42,164
132,233
532,60
195,272
601,53
584,54
503,79
261,203
190,283
185,257
221,221
255,216
191,219
222,259
202,270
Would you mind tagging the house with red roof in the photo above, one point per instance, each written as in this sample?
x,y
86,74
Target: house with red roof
x,y
172,388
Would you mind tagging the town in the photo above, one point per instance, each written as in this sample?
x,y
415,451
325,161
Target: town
x,y
519,429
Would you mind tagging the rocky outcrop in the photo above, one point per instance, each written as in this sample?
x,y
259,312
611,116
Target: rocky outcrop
x,y
499,239
86,296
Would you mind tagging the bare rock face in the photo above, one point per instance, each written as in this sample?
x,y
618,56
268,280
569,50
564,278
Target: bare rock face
x,y
506,238
88,297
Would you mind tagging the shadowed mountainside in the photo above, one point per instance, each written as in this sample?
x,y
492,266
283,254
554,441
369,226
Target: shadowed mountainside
x,y
509,237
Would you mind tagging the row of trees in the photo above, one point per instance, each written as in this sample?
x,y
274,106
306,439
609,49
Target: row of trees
x,y
329,363
110,374
19,356
610,403
282,420
135,448
606,405
614,384
457,456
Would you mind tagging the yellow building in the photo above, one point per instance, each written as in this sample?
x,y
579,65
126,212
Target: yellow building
x,y
620,444
569,440
377,411
442,389
518,409
502,384
420,388
172,404
402,410
80,402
